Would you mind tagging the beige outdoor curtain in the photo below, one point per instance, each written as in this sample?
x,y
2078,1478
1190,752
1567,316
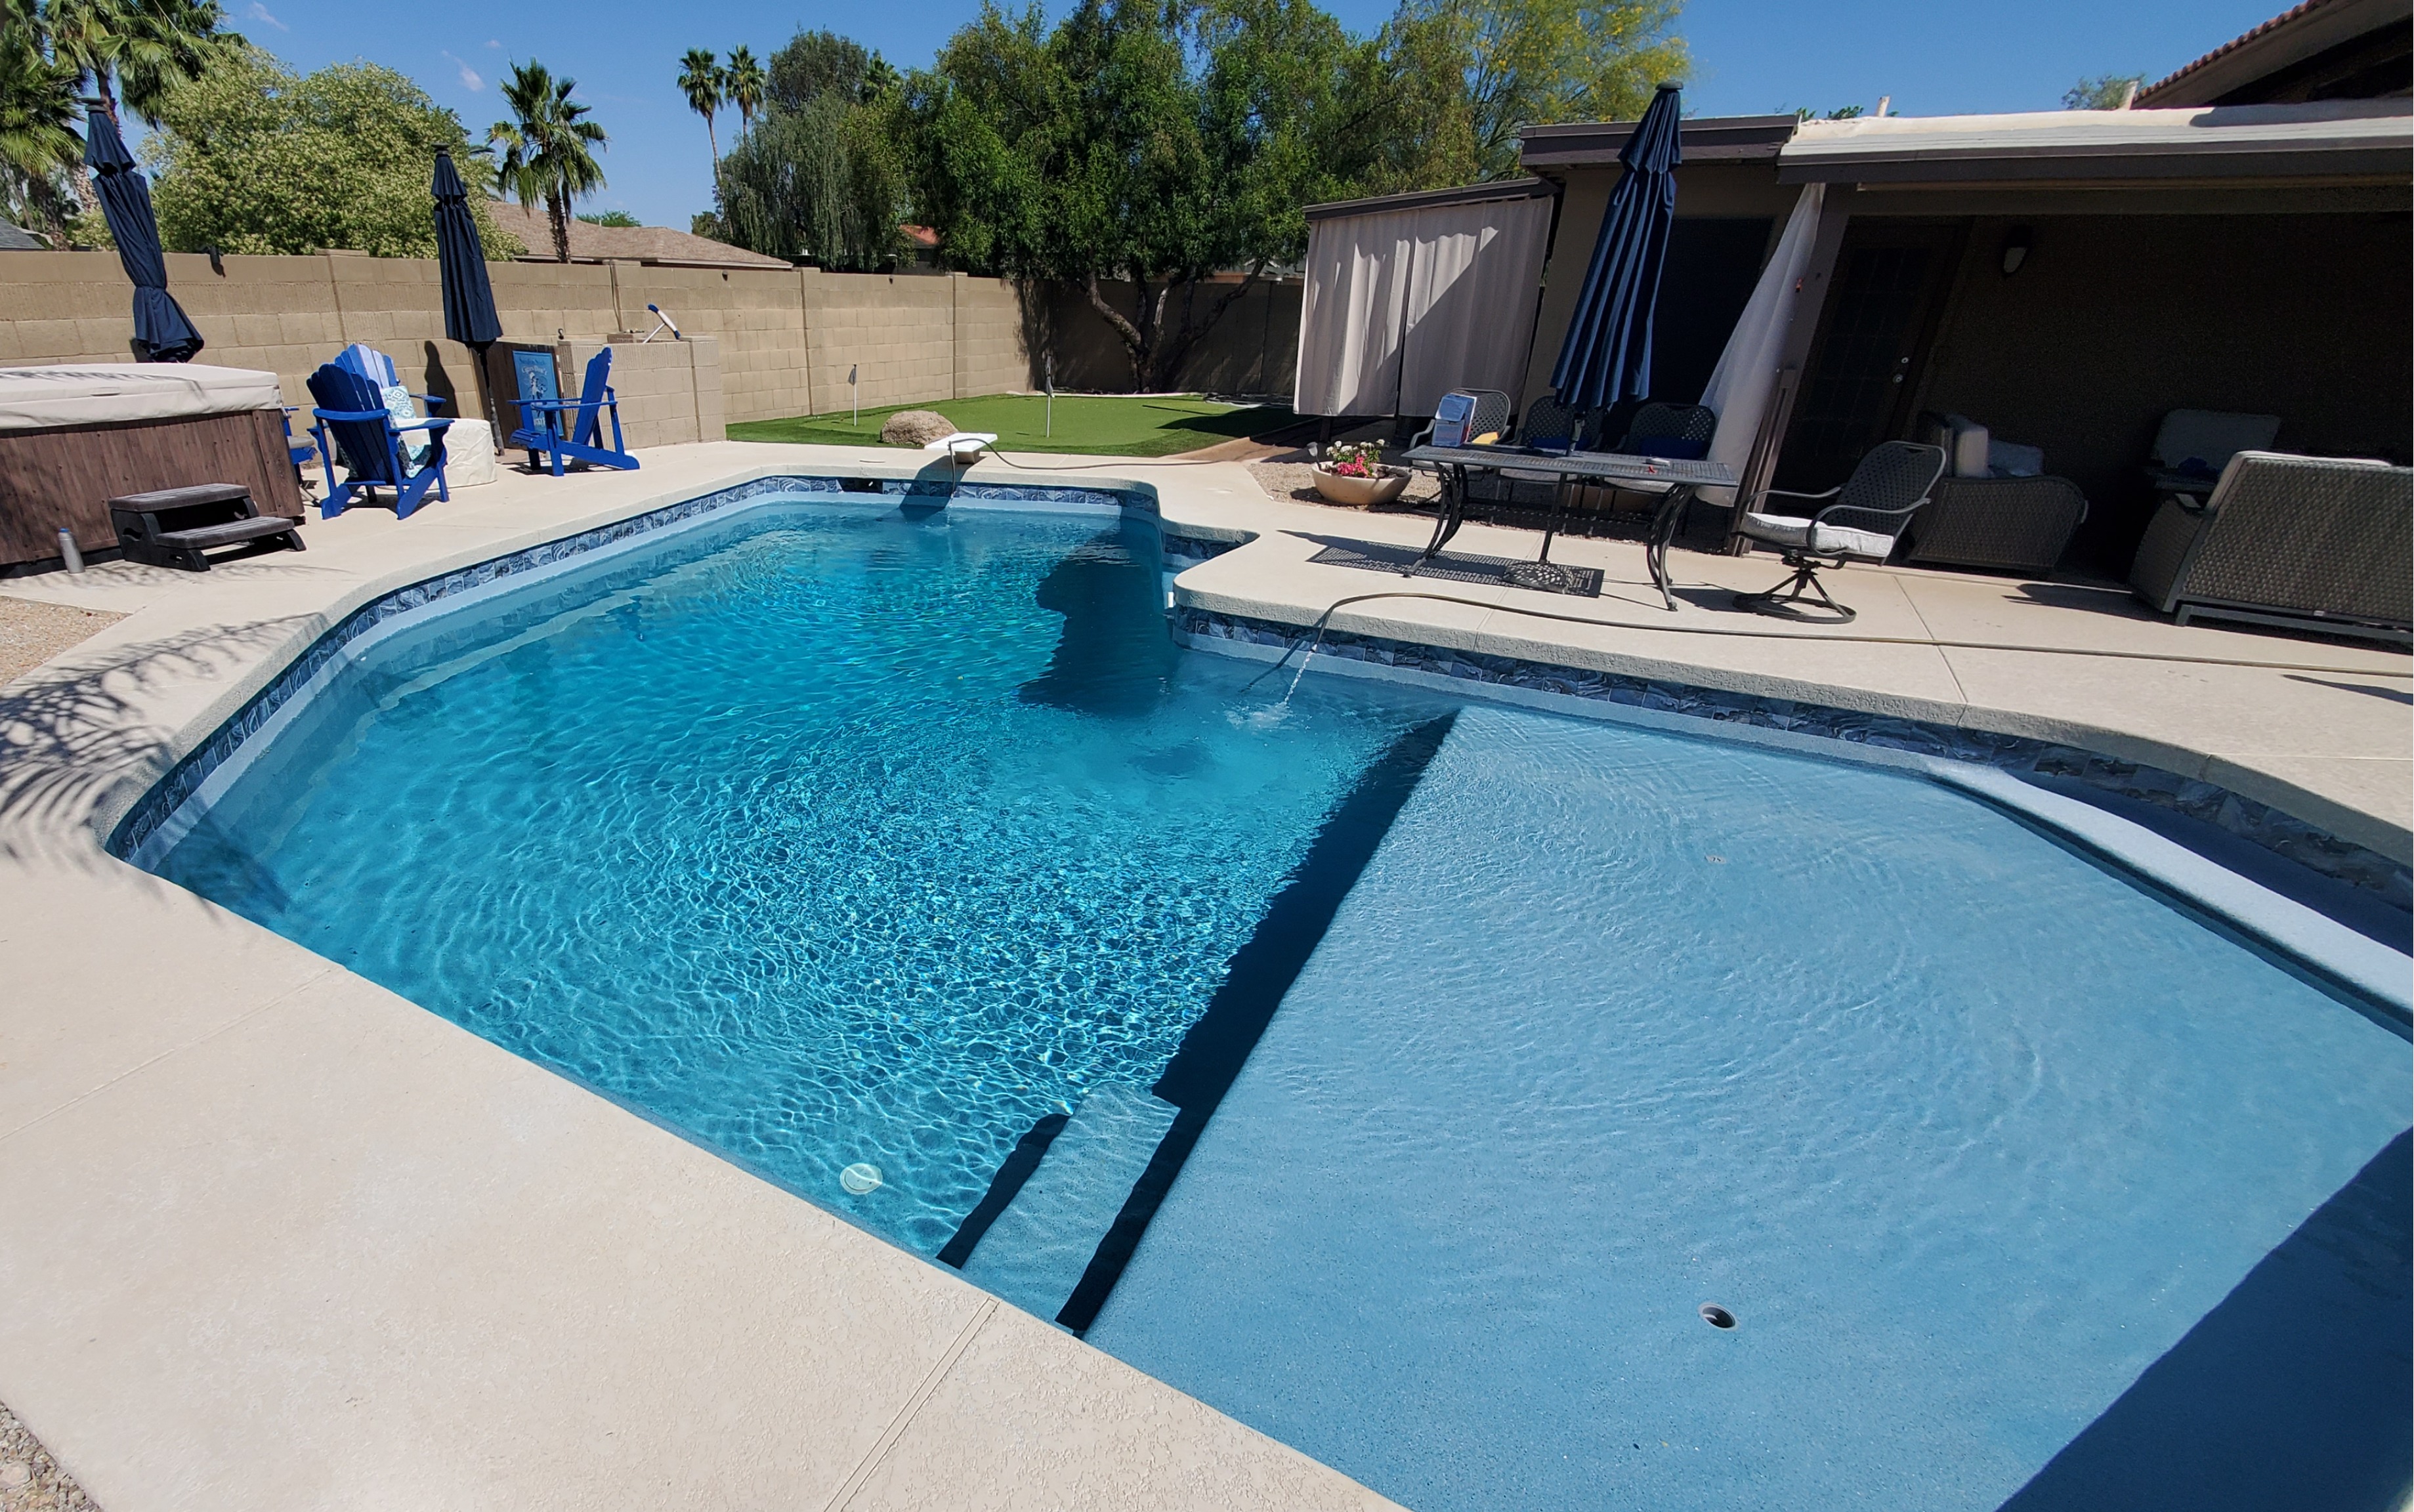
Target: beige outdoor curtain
x,y
1744,381
1404,305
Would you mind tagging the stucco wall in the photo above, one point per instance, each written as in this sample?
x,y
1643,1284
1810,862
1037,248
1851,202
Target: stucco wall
x,y
783,341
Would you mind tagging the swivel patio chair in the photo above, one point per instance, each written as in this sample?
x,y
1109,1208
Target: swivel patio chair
x,y
352,416
573,429
1868,518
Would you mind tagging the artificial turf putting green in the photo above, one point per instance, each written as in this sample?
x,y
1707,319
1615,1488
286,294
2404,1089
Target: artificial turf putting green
x,y
1103,425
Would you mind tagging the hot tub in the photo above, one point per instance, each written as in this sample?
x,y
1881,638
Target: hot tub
x,y
73,437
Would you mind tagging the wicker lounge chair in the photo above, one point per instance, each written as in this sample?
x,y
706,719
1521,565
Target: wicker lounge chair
x,y
1863,524
2008,524
2308,543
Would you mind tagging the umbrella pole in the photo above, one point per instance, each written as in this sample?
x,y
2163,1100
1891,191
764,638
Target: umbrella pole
x,y
487,390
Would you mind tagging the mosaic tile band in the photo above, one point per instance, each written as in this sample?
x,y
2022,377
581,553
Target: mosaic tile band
x,y
2303,843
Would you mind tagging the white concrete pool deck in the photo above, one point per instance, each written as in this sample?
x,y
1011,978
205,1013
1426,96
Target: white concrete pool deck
x,y
279,1239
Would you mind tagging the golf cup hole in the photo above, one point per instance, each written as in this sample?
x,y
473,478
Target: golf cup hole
x,y
1717,1316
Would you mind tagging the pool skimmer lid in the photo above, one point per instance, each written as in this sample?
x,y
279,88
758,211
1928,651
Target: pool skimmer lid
x,y
859,1178
1717,1316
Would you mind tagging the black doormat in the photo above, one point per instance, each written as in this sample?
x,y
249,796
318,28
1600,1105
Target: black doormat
x,y
1459,566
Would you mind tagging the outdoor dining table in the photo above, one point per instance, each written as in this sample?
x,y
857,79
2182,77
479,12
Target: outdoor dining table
x,y
1675,480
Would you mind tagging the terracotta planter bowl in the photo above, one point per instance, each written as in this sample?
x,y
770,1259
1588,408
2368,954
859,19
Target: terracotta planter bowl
x,y
1361,492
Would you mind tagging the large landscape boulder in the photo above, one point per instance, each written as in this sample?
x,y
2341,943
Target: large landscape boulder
x,y
915,427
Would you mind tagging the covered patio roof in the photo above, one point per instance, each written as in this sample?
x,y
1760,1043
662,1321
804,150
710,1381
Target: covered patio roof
x,y
2343,139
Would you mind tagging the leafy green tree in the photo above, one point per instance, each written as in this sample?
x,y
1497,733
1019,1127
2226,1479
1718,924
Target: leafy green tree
x,y
743,82
253,157
2104,92
1151,147
813,63
611,218
548,148
700,80
1534,62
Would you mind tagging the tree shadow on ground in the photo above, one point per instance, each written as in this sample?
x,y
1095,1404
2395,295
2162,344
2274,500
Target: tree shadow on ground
x,y
75,740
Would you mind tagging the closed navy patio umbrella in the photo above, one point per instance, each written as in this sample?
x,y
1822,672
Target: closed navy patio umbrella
x,y
461,264
1607,355
161,332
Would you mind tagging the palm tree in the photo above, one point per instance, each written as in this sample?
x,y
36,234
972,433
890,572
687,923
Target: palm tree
x,y
37,109
700,77
744,84
139,47
548,149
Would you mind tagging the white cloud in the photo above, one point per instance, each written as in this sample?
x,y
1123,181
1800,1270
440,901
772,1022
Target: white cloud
x,y
492,43
261,12
469,79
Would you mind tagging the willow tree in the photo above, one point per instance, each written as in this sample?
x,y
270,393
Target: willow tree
x,y
817,177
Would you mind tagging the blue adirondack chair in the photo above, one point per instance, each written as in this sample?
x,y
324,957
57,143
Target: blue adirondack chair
x,y
351,414
301,453
573,429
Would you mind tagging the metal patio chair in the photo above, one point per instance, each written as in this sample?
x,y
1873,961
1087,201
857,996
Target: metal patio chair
x,y
1660,429
1868,518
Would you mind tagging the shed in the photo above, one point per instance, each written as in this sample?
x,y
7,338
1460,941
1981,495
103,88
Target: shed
x,y
1410,296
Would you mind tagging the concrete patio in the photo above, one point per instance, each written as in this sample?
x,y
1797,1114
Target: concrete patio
x,y
288,1240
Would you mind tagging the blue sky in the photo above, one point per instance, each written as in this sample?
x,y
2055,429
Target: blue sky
x,y
1750,56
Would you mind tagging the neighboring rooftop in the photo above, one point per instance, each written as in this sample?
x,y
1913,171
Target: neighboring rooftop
x,y
591,243
2321,49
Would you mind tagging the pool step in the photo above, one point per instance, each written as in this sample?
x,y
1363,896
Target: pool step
x,y
1035,1252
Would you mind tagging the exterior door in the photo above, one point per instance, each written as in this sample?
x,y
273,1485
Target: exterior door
x,y
1891,277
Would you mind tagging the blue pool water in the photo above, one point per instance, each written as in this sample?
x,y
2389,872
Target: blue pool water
x,y
829,836
833,836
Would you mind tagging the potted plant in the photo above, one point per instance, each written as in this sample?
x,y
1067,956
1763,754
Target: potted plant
x,y
1358,477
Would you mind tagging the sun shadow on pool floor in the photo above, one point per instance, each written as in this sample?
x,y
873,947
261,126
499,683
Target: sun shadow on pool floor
x,y
2293,1393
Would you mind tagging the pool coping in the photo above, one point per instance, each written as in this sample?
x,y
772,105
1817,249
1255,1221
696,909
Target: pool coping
x,y
182,1102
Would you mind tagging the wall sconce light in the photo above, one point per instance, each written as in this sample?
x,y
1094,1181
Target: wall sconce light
x,y
2015,249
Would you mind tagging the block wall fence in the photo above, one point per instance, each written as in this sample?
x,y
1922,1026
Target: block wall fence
x,y
787,339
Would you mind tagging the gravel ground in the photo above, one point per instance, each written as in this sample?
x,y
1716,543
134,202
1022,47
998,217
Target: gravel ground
x,y
30,1479
31,633
1297,481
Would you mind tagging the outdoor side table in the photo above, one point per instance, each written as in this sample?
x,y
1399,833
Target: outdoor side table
x,y
1675,480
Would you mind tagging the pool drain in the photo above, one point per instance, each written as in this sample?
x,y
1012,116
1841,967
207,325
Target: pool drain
x,y
1717,1316
859,1178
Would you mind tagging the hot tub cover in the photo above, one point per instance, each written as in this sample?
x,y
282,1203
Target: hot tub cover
x,y
46,398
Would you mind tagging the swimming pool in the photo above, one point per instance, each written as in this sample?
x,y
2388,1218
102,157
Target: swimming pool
x,y
897,854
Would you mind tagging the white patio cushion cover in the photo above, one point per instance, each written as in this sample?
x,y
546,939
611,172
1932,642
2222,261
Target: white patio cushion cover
x,y
1789,530
100,394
